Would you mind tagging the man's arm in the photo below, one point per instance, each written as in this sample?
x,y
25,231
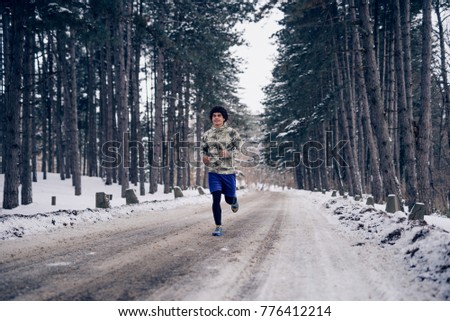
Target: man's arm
x,y
204,150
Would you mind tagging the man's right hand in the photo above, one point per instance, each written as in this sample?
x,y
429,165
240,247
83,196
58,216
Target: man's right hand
x,y
206,160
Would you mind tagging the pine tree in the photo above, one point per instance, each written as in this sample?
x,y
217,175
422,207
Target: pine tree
x,y
26,179
424,135
14,22
377,186
390,181
407,146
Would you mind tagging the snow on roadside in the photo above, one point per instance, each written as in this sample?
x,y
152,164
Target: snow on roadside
x,y
43,190
19,225
72,211
423,245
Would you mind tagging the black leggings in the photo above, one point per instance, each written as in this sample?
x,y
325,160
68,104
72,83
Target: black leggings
x,y
217,211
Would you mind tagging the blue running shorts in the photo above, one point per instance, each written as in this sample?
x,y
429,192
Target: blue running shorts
x,y
226,183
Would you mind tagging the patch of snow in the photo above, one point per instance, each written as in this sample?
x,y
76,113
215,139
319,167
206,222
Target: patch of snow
x,y
71,211
424,246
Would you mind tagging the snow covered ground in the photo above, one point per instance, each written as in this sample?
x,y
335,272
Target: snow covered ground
x,y
423,246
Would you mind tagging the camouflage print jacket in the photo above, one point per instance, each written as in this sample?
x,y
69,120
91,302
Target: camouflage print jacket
x,y
214,141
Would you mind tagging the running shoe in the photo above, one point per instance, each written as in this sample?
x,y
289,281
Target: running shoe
x,y
218,231
235,206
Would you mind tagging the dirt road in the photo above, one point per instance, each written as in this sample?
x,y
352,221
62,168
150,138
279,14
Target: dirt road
x,y
277,247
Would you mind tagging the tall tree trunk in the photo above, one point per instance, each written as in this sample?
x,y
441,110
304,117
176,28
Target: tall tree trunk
x,y
383,56
42,70
405,9
390,107
58,123
407,148
323,168
73,117
352,171
102,102
169,168
347,113
109,121
181,130
136,98
34,148
134,113
42,66
50,106
365,118
350,107
379,123
336,132
185,129
92,115
299,179
4,61
442,173
65,86
444,125
158,128
122,51
13,77
26,180
73,166
198,139
424,136
137,164
149,119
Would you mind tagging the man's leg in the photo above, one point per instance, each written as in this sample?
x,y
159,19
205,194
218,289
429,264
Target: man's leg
x,y
217,213
232,200
229,189
215,186
217,210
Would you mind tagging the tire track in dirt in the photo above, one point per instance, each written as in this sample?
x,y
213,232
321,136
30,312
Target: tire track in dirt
x,y
255,272
229,265
166,273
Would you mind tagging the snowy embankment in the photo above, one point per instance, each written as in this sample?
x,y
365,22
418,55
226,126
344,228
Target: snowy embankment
x,y
73,211
424,246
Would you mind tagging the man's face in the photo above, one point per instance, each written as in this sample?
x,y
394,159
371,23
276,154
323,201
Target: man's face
x,y
217,120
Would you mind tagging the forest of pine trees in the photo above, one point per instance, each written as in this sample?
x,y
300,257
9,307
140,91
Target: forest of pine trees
x,y
86,83
372,74
115,89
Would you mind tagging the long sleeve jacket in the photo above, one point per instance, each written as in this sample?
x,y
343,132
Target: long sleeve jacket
x,y
214,141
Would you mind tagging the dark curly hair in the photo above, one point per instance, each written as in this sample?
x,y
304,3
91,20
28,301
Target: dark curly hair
x,y
218,109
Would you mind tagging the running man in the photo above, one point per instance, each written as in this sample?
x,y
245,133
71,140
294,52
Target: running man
x,y
218,146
